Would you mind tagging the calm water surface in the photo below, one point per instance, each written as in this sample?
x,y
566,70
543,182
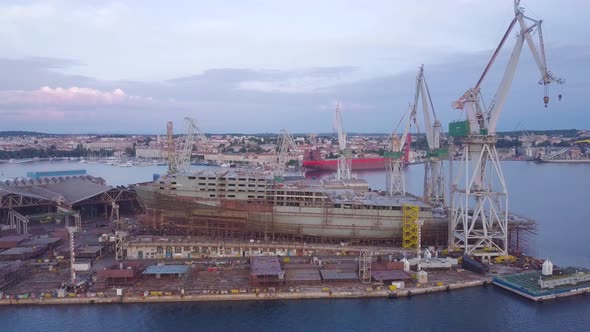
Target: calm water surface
x,y
553,194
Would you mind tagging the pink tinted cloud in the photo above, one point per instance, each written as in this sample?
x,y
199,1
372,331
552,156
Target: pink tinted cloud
x,y
73,96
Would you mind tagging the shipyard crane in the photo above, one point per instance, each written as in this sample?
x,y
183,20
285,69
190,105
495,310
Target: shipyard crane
x,y
395,179
171,149
434,187
181,161
286,147
479,218
344,171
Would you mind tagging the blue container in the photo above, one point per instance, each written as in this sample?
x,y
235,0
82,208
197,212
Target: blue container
x,y
72,172
156,177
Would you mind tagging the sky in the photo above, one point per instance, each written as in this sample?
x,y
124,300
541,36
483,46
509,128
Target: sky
x,y
258,66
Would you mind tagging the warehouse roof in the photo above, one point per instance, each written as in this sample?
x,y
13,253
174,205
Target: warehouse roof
x,y
67,189
77,190
390,275
265,265
338,275
43,241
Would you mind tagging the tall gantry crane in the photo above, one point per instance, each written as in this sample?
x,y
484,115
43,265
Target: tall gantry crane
x,y
396,157
434,185
479,218
344,171
181,161
286,147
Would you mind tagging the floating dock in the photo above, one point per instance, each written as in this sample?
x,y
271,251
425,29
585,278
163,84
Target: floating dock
x,y
570,281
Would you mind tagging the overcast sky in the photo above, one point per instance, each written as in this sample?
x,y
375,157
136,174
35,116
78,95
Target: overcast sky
x,y
259,66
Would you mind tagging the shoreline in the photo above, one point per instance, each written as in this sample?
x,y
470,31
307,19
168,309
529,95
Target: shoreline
x,y
246,297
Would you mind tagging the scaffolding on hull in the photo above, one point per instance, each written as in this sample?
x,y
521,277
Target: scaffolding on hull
x,y
410,226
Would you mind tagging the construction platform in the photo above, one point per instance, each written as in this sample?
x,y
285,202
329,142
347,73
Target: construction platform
x,y
527,284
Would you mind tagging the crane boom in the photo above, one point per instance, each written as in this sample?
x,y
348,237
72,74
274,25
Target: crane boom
x,y
432,128
479,205
286,146
344,171
339,128
480,122
403,139
183,158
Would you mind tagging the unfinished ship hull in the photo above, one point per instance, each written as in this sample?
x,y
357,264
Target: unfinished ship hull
x,y
277,210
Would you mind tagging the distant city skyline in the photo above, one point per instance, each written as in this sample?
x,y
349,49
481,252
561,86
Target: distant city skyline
x,y
257,67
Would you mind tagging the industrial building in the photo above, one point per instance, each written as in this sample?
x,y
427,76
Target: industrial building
x,y
266,271
166,271
55,196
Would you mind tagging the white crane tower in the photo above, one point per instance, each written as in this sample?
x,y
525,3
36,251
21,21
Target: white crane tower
x,y
434,186
479,218
286,148
344,171
395,179
181,161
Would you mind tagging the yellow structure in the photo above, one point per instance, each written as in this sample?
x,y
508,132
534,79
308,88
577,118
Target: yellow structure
x,y
410,226
505,259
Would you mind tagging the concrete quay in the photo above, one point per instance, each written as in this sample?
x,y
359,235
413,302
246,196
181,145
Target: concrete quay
x,y
324,294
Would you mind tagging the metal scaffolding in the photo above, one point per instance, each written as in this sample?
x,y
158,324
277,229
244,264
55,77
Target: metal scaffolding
x,y
120,236
365,266
410,226
19,222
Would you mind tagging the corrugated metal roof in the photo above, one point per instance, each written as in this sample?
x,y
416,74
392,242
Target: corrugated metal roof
x,y
390,275
166,269
76,190
265,265
61,190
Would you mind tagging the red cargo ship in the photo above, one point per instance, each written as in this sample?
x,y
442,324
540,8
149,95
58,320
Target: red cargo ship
x,y
313,162
357,164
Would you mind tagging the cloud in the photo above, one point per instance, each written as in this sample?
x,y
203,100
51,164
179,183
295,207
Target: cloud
x,y
261,100
301,81
73,96
30,11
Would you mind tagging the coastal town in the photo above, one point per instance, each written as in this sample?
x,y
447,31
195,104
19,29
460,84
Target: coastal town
x,y
260,149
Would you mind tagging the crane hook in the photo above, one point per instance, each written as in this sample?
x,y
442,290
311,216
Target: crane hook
x,y
546,100
559,96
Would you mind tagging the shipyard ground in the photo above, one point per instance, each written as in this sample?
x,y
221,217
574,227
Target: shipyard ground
x,y
228,285
215,278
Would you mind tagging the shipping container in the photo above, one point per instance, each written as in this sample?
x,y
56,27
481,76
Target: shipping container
x,y
459,129
392,155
